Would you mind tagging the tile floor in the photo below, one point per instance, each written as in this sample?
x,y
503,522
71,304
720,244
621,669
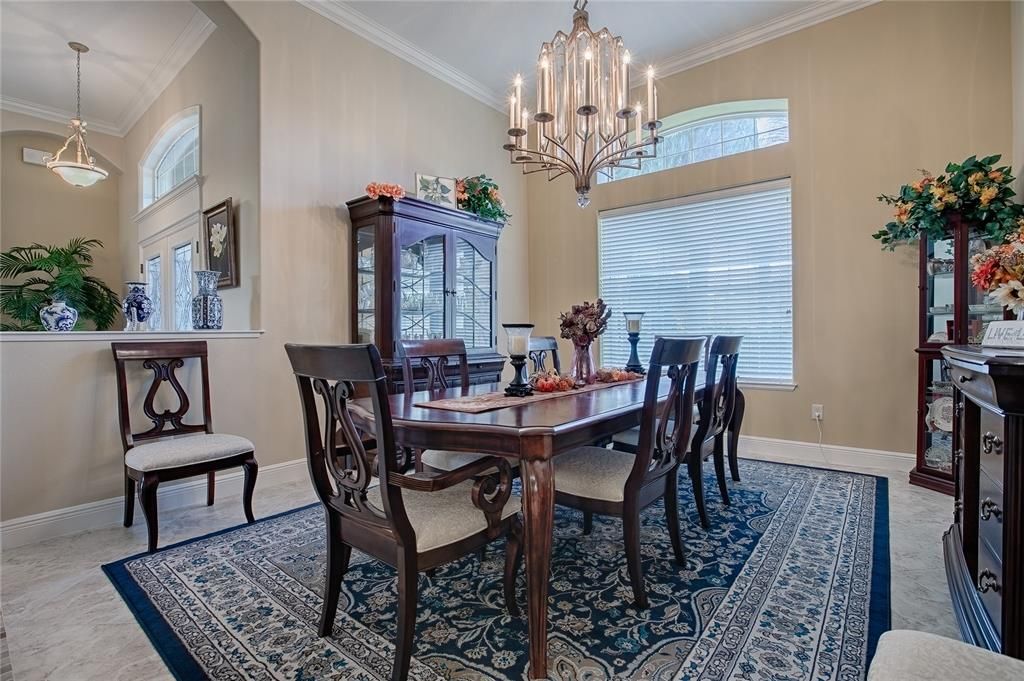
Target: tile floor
x,y
65,622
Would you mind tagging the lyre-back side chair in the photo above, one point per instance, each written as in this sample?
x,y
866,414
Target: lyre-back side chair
x,y
542,347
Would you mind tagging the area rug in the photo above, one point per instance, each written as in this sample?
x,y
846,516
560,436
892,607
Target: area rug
x,y
790,583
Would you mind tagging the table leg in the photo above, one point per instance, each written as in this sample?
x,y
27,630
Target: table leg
x,y
538,511
734,434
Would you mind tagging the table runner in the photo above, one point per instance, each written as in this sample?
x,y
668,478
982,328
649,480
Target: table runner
x,y
476,404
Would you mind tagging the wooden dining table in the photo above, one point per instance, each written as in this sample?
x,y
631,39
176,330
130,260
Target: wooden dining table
x,y
533,434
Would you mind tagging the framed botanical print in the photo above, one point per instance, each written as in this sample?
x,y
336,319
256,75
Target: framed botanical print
x,y
220,243
439,190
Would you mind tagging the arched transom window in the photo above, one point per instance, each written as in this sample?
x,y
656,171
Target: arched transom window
x,y
173,156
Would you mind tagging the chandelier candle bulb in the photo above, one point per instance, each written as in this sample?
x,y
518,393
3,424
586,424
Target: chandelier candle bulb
x,y
650,92
639,128
624,85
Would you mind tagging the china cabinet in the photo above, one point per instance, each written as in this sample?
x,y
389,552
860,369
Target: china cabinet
x,y
951,311
422,271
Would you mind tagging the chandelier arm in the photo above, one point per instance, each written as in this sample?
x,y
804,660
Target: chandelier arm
x,y
554,159
56,157
600,162
574,166
544,165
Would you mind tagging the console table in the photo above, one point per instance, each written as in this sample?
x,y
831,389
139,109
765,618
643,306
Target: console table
x,y
984,547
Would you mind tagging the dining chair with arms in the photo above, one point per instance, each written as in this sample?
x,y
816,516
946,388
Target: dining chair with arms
x,y
715,408
616,483
542,347
172,449
411,522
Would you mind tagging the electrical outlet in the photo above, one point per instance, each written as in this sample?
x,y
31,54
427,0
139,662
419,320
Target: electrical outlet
x,y
818,412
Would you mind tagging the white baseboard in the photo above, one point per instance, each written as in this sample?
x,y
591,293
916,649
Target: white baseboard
x,y
106,513
825,455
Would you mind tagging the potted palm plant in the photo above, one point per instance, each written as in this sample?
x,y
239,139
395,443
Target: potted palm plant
x,y
50,288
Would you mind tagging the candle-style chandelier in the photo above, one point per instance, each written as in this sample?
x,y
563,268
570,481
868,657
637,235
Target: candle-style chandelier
x,y
83,171
582,122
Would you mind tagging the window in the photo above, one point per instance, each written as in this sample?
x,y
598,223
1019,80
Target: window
x,y
183,287
172,158
155,289
712,132
718,263
169,262
178,163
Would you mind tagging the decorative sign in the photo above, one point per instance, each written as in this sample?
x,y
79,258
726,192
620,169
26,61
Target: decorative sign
x,y
1009,334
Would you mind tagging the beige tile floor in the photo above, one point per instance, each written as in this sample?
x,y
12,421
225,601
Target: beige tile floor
x,y
65,621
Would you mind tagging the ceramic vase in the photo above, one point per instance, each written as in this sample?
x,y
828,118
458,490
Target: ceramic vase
x,y
582,370
137,306
207,307
57,316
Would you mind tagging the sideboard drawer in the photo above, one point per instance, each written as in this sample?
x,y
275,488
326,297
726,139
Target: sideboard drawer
x,y
989,584
991,435
977,385
990,515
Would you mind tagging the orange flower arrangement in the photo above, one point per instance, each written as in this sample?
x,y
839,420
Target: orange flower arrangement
x,y
375,190
999,271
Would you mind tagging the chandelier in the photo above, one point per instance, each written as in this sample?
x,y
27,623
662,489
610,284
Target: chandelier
x,y
82,172
582,122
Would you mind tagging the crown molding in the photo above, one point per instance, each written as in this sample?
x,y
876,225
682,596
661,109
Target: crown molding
x,y
15,105
365,27
770,30
182,50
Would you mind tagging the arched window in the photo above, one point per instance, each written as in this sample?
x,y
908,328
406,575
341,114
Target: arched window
x,y
711,132
172,157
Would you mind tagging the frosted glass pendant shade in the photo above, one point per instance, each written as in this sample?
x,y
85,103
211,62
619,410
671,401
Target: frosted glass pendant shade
x,y
79,174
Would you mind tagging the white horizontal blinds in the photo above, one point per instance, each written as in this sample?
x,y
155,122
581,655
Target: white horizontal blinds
x,y
716,263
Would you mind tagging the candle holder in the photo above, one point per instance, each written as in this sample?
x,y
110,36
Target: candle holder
x,y
518,348
633,330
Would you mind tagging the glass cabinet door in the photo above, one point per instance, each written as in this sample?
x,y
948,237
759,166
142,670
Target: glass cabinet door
x,y
939,416
365,287
423,295
941,285
980,310
474,295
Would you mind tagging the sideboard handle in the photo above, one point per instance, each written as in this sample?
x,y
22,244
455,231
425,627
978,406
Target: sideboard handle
x,y
989,509
987,581
964,378
991,442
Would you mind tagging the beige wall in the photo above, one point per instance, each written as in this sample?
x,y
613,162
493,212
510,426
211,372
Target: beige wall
x,y
36,206
1017,59
336,113
223,79
873,96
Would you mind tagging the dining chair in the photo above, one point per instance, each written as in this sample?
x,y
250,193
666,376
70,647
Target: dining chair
x,y
616,483
411,522
715,410
542,347
171,449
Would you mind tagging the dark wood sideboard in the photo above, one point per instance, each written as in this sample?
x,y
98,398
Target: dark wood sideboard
x,y
984,547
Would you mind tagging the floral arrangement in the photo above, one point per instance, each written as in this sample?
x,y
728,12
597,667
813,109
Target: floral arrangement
x,y
999,271
976,190
480,195
375,190
583,323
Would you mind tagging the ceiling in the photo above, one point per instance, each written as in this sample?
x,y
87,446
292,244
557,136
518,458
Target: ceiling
x,y
136,50
479,45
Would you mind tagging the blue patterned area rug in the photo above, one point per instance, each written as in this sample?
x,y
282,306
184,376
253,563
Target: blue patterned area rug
x,y
790,583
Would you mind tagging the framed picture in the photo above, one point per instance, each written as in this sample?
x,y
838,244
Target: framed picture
x,y
439,190
220,243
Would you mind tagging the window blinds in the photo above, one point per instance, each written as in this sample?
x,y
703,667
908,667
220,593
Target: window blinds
x,y
718,263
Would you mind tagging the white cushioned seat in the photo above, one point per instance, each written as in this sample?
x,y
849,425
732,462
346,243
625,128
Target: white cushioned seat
x,y
916,656
443,517
185,451
631,437
444,460
593,473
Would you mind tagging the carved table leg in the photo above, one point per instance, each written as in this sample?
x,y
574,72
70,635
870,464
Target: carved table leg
x,y
734,434
539,512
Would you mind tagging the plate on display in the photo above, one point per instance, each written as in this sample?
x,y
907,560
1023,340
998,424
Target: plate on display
x,y
940,413
939,337
939,456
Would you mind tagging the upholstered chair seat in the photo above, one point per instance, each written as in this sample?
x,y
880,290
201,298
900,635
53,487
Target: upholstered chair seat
x,y
186,451
444,460
443,517
593,472
918,656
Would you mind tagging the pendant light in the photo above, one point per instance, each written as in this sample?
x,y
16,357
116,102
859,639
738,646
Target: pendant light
x,y
83,171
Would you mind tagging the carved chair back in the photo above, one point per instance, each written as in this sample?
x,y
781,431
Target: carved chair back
x,y
433,356
665,429
330,376
719,399
541,347
163,360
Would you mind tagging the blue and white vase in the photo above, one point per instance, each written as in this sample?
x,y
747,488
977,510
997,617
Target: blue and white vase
x,y
57,316
207,307
137,306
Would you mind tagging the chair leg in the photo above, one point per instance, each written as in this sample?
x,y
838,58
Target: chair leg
x,y
719,456
631,535
251,469
734,434
697,480
338,554
513,554
672,515
129,500
406,616
147,498
588,522
211,484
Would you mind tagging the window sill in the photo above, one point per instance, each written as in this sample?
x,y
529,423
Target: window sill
x,y
52,336
786,387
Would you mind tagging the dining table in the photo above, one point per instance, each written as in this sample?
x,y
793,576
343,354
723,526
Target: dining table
x,y
533,434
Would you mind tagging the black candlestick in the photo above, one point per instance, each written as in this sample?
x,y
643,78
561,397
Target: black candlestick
x,y
519,387
634,364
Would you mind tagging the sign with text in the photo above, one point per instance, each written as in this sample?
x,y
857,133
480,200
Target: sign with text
x,y
1004,335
